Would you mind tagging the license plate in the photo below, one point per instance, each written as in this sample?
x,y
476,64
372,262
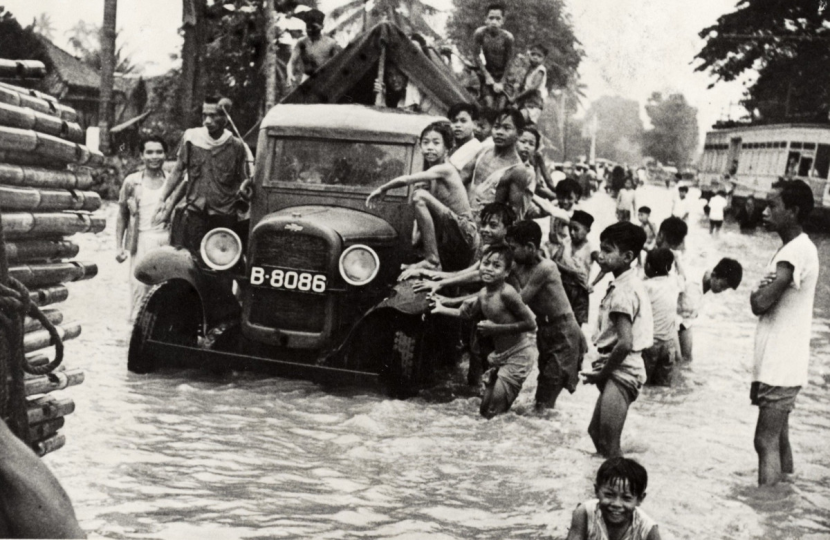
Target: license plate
x,y
289,280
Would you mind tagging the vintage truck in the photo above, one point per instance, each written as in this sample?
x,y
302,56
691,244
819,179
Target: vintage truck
x,y
313,294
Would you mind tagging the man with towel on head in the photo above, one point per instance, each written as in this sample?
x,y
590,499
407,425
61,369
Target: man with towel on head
x,y
215,163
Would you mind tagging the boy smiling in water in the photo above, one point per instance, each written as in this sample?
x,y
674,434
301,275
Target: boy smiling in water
x,y
614,515
509,322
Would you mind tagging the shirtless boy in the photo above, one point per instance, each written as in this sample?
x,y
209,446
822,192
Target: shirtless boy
x,y
497,46
463,117
497,173
509,322
314,50
559,339
447,225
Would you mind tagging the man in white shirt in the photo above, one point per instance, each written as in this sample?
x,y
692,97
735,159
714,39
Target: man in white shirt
x,y
717,205
680,205
784,303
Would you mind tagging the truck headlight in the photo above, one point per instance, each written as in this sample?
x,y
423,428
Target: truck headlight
x,y
359,265
221,249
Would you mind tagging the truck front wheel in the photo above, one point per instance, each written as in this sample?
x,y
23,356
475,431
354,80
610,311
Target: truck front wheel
x,y
170,313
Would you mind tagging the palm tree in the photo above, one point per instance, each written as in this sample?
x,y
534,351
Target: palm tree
x,y
43,26
107,71
363,14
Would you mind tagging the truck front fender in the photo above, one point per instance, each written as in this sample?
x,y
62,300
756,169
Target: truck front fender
x,y
215,289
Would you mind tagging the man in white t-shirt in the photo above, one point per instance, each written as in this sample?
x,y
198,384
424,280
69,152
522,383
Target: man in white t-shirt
x,y
717,205
784,303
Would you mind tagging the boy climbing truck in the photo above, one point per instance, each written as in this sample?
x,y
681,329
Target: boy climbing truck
x,y
315,292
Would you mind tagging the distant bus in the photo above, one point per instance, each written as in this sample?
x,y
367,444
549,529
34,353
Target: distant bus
x,y
754,157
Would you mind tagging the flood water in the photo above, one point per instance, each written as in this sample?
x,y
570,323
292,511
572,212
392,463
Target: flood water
x,y
188,454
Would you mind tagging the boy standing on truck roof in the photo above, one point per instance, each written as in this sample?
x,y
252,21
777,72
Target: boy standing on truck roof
x,y
496,44
312,51
447,225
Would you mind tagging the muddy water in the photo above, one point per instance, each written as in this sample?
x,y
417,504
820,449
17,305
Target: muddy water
x,y
188,454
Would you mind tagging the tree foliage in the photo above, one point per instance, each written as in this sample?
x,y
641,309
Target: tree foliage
x,y
786,41
620,129
673,138
530,21
85,41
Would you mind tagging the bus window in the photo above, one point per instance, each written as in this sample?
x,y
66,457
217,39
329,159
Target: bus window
x,y
822,164
805,165
792,164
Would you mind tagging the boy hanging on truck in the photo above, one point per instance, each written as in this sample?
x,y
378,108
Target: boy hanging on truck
x,y
312,51
511,324
445,220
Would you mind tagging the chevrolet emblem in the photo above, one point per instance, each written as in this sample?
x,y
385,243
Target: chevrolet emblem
x,y
294,227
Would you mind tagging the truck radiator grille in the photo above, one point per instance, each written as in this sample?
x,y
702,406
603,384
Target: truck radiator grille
x,y
293,251
287,310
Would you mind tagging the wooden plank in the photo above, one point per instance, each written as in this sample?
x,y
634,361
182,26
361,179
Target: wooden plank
x,y
31,226
53,315
40,250
40,339
54,381
26,198
44,274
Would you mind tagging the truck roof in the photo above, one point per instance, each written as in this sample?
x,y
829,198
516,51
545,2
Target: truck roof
x,y
339,119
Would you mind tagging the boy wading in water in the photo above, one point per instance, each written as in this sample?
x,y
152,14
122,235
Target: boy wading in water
x,y
625,328
614,515
559,339
447,225
783,302
511,325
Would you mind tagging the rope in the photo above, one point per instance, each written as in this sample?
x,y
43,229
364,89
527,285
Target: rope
x,y
15,299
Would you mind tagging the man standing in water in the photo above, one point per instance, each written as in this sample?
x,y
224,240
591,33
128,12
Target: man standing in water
x,y
784,303
214,161
135,232
497,174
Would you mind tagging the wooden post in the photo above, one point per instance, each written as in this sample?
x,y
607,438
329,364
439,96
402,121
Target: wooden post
x,y
270,56
380,98
107,72
13,409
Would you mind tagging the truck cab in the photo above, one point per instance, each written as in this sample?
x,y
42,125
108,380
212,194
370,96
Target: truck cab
x,y
313,294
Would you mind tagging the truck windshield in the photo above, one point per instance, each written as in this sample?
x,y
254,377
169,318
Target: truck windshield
x,y
338,163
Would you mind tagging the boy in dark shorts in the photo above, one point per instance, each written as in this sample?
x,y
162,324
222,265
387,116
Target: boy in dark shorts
x,y
559,339
575,262
625,328
496,45
509,322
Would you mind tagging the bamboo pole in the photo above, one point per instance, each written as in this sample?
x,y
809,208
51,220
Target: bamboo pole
x,y
54,381
27,224
26,118
23,198
40,339
22,69
40,250
17,175
45,360
37,101
16,143
50,444
53,315
41,275
46,429
48,408
48,295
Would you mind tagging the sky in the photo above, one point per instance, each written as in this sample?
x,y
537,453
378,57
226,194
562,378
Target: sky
x,y
633,47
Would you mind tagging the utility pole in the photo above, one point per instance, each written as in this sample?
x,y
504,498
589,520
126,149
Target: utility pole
x,y
270,56
107,73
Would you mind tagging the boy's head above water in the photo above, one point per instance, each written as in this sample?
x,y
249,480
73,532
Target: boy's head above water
x,y
672,232
495,264
620,244
620,487
580,226
568,192
658,262
495,218
644,214
727,274
524,239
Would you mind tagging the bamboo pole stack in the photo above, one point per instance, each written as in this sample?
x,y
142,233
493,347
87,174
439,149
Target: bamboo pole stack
x,y
45,197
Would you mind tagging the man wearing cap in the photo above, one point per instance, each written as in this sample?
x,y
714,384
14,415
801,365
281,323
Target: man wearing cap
x,y
314,50
214,161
